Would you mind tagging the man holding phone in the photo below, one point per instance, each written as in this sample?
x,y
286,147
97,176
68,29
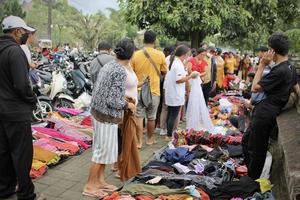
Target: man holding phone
x,y
277,86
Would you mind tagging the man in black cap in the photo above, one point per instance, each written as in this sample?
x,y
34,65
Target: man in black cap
x,y
17,101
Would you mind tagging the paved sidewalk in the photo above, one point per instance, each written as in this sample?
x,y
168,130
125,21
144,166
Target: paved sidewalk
x,y
66,181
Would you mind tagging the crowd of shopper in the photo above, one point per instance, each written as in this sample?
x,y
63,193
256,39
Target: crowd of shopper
x,y
119,85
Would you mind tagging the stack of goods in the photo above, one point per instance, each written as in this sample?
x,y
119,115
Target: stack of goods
x,y
63,136
200,165
206,170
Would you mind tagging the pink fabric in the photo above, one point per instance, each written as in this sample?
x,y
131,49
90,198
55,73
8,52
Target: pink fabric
x,y
71,111
54,133
45,145
64,127
207,148
65,146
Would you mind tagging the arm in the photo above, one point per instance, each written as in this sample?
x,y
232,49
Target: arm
x,y
20,76
163,66
117,91
185,79
270,79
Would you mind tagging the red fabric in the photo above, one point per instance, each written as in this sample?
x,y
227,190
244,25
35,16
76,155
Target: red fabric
x,y
198,66
242,170
203,195
227,79
87,121
38,173
113,196
144,197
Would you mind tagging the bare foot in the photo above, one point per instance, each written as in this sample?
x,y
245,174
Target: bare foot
x,y
139,146
150,141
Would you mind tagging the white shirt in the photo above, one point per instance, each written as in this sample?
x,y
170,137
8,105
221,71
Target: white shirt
x,y
174,92
27,52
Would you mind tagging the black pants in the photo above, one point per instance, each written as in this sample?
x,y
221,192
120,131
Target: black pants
x,y
16,153
173,112
206,88
255,144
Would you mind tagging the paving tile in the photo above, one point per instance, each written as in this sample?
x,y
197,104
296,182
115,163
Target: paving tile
x,y
48,180
72,195
54,191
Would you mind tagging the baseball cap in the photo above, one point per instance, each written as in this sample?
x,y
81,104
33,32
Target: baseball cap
x,y
11,22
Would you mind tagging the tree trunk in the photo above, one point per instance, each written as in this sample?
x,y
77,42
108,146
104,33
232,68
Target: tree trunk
x,y
196,38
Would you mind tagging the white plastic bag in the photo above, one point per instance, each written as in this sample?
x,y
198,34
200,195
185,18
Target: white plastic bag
x,y
225,105
197,116
84,100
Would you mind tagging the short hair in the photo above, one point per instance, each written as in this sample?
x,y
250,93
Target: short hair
x,y
181,50
103,45
279,43
124,49
149,37
169,50
200,50
6,31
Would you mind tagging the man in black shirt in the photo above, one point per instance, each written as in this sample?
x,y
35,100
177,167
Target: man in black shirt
x,y
277,85
16,103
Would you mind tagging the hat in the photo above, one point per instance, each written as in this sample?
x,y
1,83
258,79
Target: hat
x,y
263,49
251,74
11,22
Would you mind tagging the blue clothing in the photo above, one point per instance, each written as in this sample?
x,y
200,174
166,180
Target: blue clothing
x,y
180,154
257,97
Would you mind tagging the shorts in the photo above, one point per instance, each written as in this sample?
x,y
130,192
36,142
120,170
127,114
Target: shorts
x,y
105,143
150,112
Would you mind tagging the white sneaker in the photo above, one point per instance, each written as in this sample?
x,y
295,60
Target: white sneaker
x,y
157,130
163,132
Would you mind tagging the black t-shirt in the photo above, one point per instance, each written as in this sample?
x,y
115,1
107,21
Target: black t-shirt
x,y
277,85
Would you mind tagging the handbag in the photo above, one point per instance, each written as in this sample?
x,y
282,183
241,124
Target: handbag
x,y
145,94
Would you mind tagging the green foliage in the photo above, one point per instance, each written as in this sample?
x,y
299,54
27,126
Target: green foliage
x,y
11,7
194,19
294,37
72,26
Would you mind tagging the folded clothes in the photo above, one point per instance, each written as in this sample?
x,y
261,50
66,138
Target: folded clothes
x,y
156,191
45,156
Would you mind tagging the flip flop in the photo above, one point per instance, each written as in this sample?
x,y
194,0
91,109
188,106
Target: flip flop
x,y
108,188
151,143
96,194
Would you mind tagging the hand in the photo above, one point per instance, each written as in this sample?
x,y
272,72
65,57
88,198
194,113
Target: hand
x,y
132,107
267,58
194,74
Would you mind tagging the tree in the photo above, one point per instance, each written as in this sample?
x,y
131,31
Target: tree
x,y
11,7
194,20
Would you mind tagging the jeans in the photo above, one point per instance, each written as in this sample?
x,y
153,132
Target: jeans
x,y
173,112
16,153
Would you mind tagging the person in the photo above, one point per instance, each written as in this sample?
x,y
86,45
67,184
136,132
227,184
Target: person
x,y
277,85
198,63
108,104
245,65
144,68
17,101
230,63
209,79
220,68
104,57
163,108
260,52
237,66
175,87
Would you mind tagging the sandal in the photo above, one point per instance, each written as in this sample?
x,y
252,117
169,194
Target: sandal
x,y
96,194
108,188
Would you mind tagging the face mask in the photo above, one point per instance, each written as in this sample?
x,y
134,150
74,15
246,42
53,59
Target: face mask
x,y
24,38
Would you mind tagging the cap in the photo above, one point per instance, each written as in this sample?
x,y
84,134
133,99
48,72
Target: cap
x,y
263,49
11,22
251,74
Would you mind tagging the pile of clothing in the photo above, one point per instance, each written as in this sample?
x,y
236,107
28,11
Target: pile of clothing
x,y
68,132
200,165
